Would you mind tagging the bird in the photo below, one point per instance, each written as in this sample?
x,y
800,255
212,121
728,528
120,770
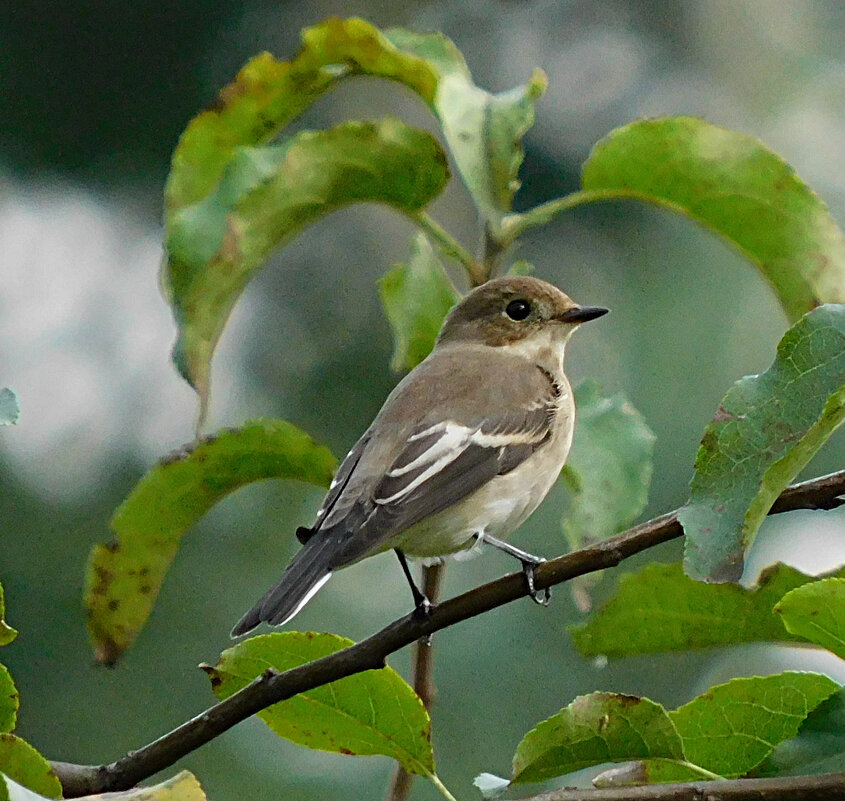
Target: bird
x,y
463,450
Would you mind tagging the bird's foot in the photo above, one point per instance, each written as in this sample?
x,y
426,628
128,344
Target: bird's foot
x,y
541,597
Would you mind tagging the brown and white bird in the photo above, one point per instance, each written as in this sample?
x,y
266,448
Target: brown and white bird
x,y
463,451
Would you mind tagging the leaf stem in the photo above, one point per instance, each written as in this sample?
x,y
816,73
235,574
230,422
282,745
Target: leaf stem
x,y
514,225
701,771
435,780
450,247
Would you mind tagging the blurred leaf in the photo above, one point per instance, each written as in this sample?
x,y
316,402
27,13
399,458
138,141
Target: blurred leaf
x,y
416,297
733,727
816,612
819,746
22,763
658,608
182,787
268,94
374,712
7,633
268,195
490,785
766,429
10,409
124,577
521,267
9,701
730,183
595,728
607,474
484,131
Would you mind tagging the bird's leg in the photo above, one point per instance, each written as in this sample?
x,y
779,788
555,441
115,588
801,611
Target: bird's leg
x,y
529,564
421,603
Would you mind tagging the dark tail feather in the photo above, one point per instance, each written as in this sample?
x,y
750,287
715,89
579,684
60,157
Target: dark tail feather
x,y
309,570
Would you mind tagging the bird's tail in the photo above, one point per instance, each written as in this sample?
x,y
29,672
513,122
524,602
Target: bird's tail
x,y
309,570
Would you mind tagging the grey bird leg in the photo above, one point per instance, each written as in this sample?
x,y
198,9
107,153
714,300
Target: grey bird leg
x,y
529,565
421,603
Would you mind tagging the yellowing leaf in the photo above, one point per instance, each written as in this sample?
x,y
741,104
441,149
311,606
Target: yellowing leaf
x,y
125,576
265,197
21,762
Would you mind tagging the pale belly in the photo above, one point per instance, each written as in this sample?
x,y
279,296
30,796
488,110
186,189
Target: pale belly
x,y
497,508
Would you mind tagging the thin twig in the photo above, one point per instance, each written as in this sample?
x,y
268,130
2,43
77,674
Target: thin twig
x,y
272,686
827,787
423,675
450,247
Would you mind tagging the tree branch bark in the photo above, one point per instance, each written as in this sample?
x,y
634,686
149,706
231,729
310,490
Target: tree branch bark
x,y
272,686
828,787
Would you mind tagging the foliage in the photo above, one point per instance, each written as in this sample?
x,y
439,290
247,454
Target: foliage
x,y
374,712
242,186
124,576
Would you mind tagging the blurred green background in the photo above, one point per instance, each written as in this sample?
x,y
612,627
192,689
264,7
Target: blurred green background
x,y
93,96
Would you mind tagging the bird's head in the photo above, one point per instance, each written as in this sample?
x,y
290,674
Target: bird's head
x,y
518,311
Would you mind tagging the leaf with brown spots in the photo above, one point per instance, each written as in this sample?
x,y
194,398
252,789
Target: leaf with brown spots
x,y
596,728
269,194
124,576
765,431
816,612
7,633
22,763
374,712
9,701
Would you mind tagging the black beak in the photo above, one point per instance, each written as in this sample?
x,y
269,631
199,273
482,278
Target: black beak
x,y
581,314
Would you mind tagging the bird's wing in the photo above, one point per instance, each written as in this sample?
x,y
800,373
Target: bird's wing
x,y
437,464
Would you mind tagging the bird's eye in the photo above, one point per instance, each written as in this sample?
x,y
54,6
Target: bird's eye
x,y
518,309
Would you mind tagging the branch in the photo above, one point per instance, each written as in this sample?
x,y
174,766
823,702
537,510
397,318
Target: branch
x,y
829,787
423,670
272,686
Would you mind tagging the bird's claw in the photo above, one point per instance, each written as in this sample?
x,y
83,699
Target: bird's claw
x,y
541,597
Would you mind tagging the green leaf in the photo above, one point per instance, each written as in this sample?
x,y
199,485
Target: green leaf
x,y
269,194
416,297
7,633
733,727
484,131
607,474
374,712
9,701
816,612
766,429
268,94
124,577
819,746
659,608
595,728
10,409
22,763
728,182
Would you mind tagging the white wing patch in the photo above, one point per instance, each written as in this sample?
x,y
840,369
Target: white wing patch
x,y
449,446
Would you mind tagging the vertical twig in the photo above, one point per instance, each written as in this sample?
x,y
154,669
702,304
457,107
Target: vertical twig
x,y
423,676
